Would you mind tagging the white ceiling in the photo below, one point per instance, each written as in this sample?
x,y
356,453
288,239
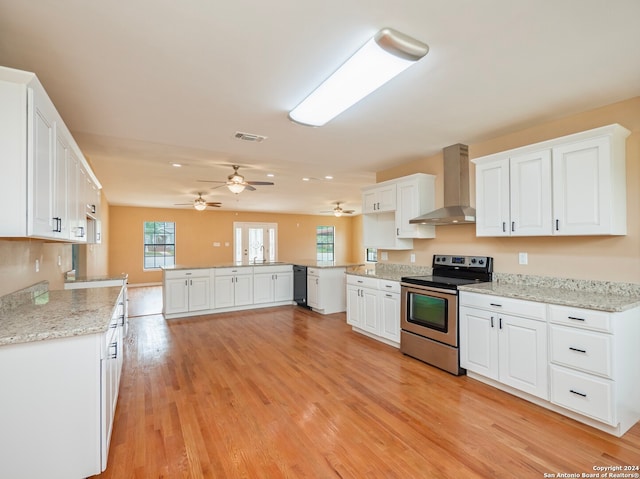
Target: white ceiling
x,y
145,83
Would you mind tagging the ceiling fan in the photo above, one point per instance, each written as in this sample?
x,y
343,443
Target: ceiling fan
x,y
200,203
237,184
338,211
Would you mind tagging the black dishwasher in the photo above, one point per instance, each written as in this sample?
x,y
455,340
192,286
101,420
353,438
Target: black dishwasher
x,y
300,285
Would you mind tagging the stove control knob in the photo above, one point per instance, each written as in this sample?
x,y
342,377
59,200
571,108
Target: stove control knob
x,y
473,261
481,261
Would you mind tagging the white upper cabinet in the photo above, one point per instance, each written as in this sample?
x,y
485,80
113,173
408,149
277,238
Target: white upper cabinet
x,y
589,190
378,199
388,206
39,159
574,185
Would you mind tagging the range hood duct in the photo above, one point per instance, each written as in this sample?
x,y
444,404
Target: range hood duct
x,y
456,208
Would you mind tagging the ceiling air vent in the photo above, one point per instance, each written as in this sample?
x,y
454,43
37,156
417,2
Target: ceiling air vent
x,y
240,135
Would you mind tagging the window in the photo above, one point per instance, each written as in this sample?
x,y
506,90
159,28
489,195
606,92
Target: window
x,y
372,255
325,239
159,244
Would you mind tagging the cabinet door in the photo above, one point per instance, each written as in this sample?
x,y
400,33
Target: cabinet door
x,y
199,293
224,291
60,207
283,290
370,314
353,306
412,202
523,355
581,188
530,199
263,288
379,199
176,295
42,168
492,199
390,315
243,290
313,292
479,341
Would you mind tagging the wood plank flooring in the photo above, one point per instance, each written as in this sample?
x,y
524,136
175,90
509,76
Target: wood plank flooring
x,y
287,393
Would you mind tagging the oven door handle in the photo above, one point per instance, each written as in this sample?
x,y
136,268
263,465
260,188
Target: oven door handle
x,y
422,289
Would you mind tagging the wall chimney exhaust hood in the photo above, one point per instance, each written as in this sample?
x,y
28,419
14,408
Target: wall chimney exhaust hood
x,y
456,208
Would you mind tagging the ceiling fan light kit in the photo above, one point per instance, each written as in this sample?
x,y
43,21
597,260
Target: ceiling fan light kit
x,y
384,56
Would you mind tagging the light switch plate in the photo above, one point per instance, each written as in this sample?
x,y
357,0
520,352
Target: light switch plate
x,y
384,256
412,258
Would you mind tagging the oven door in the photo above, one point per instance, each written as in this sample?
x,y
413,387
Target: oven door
x,y
430,312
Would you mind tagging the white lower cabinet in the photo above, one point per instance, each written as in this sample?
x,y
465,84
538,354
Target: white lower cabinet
x,y
58,403
326,290
186,291
233,287
373,307
499,344
273,284
591,370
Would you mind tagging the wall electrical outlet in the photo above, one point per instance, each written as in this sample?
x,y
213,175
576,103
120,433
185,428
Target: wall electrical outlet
x,y
523,258
384,256
37,266
412,258
216,244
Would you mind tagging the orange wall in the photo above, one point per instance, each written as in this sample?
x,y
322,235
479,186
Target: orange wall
x,y
196,231
611,258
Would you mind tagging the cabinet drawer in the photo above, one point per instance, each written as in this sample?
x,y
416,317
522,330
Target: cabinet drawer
x,y
234,271
362,281
580,318
389,286
281,268
185,273
518,307
585,350
313,272
582,393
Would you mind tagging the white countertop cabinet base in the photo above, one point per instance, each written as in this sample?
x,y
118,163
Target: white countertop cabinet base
x,y
580,363
58,402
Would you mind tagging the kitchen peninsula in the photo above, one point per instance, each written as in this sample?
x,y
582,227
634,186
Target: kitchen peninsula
x,y
197,290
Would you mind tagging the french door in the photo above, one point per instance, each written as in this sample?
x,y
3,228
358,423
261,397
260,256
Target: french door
x,y
255,242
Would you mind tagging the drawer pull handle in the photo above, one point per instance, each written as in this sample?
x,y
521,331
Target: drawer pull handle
x,y
496,305
577,350
389,295
576,318
388,286
577,393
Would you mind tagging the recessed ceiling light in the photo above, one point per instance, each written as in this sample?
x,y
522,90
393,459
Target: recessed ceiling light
x,y
270,175
305,179
176,165
328,177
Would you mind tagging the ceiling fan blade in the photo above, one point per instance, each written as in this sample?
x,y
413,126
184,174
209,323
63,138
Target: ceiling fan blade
x,y
248,187
348,211
216,204
259,183
212,181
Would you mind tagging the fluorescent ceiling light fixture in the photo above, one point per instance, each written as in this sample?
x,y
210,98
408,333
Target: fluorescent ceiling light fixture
x,y
383,57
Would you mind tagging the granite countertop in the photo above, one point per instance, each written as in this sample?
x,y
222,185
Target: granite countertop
x,y
606,299
390,271
58,314
308,263
91,279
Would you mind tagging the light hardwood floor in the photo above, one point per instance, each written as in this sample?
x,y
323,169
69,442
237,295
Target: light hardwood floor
x,y
285,392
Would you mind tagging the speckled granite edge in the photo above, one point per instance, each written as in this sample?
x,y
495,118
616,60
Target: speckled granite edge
x,y
587,294
587,286
22,296
391,271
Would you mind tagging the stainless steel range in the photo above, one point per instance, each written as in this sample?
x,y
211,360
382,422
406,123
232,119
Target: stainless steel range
x,y
429,314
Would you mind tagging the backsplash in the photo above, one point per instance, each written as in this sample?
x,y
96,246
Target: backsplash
x,y
588,286
22,296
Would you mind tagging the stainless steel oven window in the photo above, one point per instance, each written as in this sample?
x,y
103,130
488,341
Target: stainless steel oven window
x,y
428,311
